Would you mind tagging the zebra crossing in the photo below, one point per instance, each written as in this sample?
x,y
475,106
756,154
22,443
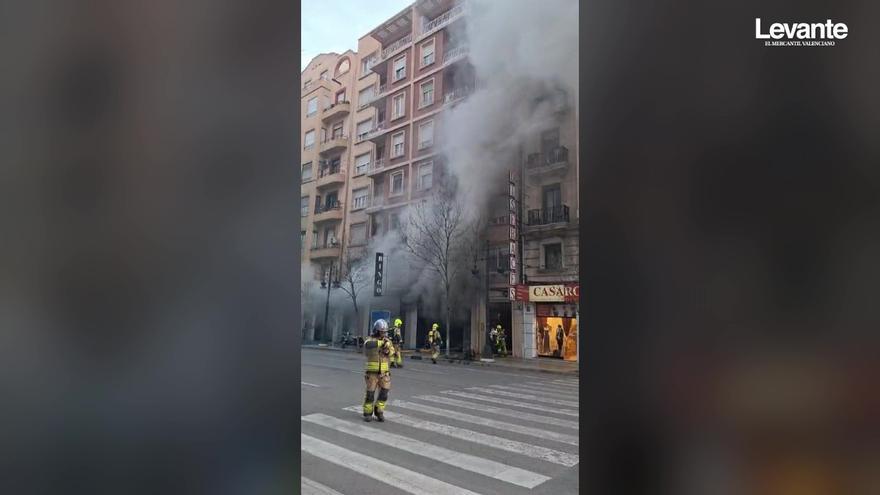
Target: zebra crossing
x,y
495,439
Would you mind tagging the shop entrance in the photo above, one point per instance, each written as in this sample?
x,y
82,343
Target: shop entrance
x,y
556,332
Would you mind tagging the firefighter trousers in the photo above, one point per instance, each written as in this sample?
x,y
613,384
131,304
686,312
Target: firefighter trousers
x,y
375,380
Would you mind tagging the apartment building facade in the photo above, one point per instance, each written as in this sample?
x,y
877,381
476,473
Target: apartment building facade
x,y
326,117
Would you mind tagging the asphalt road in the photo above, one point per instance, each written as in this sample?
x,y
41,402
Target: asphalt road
x,y
449,429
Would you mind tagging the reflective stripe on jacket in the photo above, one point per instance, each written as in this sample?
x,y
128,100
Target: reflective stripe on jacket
x,y
377,351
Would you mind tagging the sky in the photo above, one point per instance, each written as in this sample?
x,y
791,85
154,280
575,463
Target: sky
x,y
336,25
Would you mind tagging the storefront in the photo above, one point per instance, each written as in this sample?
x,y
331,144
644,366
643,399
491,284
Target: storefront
x,y
556,320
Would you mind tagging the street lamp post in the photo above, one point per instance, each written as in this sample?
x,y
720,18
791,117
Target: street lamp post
x,y
329,283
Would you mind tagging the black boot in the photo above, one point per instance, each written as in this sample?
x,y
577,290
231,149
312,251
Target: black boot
x,y
368,417
379,417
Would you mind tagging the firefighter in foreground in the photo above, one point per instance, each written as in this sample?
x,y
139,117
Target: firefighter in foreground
x,y
397,340
378,349
434,341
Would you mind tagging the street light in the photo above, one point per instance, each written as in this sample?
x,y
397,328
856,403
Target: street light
x,y
329,283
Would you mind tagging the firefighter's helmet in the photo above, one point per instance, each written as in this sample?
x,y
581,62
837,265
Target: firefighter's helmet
x,y
380,327
398,322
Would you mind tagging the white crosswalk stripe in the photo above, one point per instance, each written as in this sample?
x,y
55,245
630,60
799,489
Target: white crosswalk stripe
x,y
486,467
525,396
566,383
396,476
491,423
496,442
515,403
552,388
519,388
550,420
310,487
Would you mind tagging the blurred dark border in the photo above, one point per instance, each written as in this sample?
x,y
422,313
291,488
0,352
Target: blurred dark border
x,y
149,261
730,195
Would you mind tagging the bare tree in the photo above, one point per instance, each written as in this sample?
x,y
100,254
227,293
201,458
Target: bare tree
x,y
354,278
433,235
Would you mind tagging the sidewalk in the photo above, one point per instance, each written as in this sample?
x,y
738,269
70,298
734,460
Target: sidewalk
x,y
556,366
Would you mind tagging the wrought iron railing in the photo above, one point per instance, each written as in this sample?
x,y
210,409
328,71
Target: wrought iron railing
x,y
546,216
558,154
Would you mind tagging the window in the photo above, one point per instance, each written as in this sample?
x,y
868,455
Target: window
x,y
302,238
309,140
553,256
552,197
426,134
325,76
399,68
397,183
397,145
427,94
363,128
304,206
367,63
549,141
426,176
358,234
343,67
395,221
337,130
307,84
365,95
307,172
312,107
359,198
427,53
398,107
331,200
330,237
314,239
340,96
361,164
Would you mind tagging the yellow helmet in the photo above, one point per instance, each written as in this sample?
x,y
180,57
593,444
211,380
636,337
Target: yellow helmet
x,y
498,327
398,322
435,326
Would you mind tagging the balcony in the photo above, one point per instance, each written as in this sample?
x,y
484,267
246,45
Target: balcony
x,y
376,205
456,95
327,84
557,215
455,54
389,52
376,96
555,160
325,251
334,143
443,20
330,176
335,110
377,167
327,213
373,133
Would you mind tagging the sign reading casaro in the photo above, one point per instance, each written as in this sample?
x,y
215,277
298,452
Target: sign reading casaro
x,y
554,293
801,33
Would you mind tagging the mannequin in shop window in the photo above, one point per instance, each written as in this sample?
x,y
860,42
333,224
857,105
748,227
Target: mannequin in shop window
x,y
546,340
560,338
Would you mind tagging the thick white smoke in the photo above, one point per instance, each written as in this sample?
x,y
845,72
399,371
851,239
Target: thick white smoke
x,y
525,55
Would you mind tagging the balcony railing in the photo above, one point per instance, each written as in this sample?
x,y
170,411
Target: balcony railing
x,y
329,170
379,128
391,49
547,216
455,53
558,154
443,19
332,206
456,95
